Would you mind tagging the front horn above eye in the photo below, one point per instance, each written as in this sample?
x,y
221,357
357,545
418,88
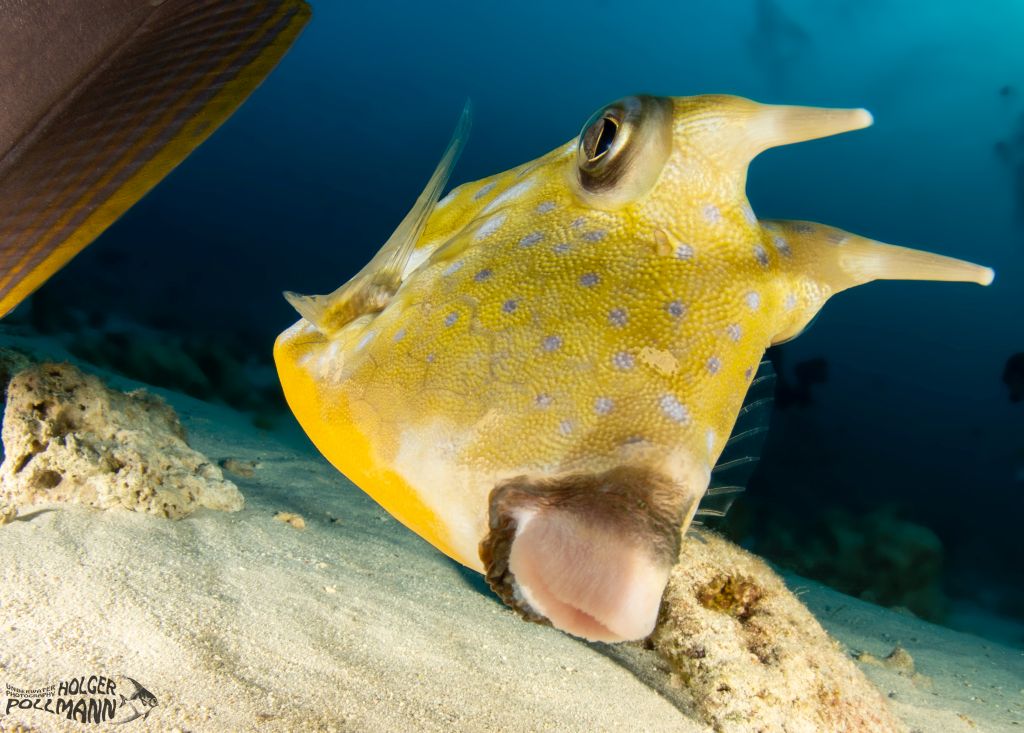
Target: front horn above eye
x,y
622,149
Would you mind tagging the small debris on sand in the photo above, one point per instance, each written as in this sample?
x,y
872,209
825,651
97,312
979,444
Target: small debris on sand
x,y
291,518
245,469
898,660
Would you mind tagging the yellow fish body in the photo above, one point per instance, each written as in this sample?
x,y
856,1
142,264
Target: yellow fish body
x,y
538,373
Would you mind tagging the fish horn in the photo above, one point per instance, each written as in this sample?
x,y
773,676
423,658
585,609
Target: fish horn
x,y
774,125
864,260
837,260
842,260
740,129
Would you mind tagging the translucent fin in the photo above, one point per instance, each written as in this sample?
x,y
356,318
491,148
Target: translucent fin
x,y
102,99
310,307
371,288
402,241
742,450
715,496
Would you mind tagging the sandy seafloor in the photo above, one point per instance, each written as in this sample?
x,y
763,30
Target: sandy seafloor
x,y
239,622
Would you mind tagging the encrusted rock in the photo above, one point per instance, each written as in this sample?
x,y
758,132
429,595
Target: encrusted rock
x,y
750,656
68,438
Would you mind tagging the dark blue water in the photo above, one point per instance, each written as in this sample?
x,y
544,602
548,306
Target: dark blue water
x,y
301,187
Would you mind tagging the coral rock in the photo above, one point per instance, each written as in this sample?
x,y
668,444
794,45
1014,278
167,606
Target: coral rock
x,y
68,438
750,656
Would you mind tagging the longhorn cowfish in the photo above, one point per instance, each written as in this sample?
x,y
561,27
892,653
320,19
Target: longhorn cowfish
x,y
102,99
538,373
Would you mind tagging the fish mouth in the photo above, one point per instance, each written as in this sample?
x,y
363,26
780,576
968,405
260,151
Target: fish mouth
x,y
588,554
586,581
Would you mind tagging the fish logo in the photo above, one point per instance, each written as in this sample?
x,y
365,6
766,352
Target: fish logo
x,y
139,694
91,699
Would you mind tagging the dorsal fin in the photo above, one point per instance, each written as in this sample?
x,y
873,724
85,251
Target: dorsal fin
x,y
742,451
372,287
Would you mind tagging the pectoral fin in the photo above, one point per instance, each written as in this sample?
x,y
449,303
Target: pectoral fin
x,y
742,451
372,287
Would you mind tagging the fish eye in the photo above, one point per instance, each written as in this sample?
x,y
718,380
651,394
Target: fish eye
x,y
622,149
598,138
603,138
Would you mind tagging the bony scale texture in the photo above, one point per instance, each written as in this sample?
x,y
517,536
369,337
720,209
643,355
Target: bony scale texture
x,y
538,373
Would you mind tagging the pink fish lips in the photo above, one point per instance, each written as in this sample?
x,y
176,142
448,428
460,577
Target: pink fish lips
x,y
585,553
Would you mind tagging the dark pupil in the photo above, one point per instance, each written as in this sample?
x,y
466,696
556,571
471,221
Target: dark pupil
x,y
604,140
